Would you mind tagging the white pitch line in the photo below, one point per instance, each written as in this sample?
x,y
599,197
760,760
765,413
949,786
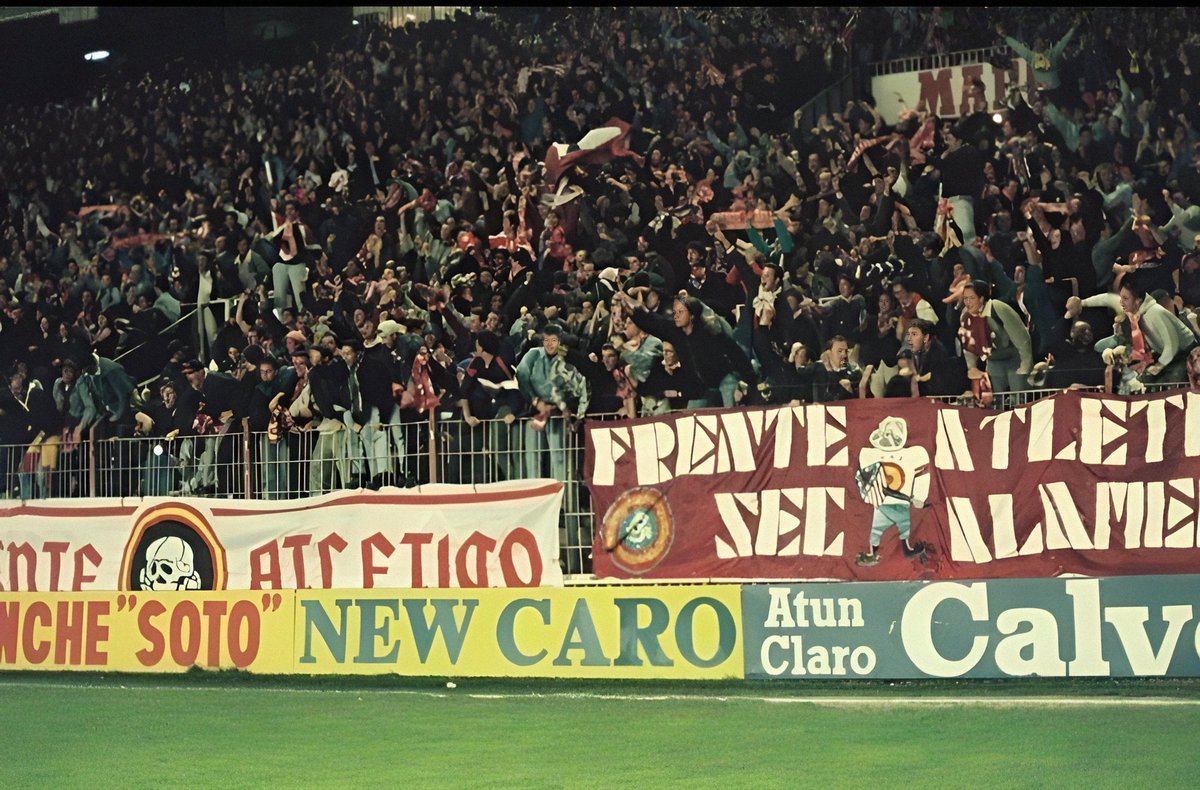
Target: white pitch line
x,y
822,701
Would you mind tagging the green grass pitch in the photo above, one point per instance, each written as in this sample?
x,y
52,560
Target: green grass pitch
x,y
206,730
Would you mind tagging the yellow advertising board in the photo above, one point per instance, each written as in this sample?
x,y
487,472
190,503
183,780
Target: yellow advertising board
x,y
147,632
603,632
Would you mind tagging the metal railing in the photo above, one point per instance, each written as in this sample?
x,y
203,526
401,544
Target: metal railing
x,y
239,463
1006,401
946,60
827,102
244,464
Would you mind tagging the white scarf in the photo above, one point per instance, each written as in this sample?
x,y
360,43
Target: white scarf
x,y
764,306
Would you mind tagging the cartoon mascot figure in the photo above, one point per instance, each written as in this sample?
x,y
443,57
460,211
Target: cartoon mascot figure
x,y
892,479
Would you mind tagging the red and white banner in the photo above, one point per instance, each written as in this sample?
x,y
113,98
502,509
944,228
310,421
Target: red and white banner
x,y
597,147
495,535
1076,483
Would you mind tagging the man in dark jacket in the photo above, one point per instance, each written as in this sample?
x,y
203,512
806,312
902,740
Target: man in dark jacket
x,y
961,167
926,368
369,382
715,357
328,380
162,418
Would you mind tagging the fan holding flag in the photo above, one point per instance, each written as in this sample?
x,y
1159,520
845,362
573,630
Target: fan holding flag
x,y
597,147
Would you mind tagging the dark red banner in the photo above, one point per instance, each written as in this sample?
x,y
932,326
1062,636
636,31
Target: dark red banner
x,y
901,489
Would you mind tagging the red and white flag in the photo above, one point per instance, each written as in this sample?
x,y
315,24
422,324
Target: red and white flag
x,y
598,146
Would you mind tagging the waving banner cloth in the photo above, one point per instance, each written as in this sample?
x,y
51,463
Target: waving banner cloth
x,y
598,146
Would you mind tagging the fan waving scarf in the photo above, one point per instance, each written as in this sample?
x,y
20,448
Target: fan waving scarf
x,y
598,146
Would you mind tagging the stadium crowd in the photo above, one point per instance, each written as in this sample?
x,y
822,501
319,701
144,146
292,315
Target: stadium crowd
x,y
551,213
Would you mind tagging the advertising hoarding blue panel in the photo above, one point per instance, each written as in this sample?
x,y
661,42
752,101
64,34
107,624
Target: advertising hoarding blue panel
x,y
1132,626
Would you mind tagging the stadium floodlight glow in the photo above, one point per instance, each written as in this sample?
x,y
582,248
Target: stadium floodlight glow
x,y
95,55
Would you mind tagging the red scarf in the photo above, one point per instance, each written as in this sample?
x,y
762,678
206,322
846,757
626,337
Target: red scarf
x,y
976,336
909,312
425,397
1139,357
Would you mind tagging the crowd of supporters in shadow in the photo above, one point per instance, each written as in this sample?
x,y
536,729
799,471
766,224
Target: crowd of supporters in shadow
x,y
515,220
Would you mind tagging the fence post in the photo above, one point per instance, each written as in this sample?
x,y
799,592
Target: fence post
x,y
247,466
92,462
433,474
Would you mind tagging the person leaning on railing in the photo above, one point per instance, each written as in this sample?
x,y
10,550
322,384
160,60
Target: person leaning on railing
x,y
1073,363
793,383
488,393
163,418
275,385
926,367
642,355
328,377
489,386
835,376
995,339
1158,342
29,423
556,389
711,355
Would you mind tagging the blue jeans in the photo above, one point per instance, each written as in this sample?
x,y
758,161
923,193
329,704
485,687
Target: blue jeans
x,y
887,515
1003,373
720,395
158,474
274,469
548,441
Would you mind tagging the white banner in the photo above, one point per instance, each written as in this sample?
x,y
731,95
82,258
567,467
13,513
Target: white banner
x,y
494,535
942,91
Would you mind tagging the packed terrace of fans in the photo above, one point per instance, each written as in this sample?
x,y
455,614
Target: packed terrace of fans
x,y
535,216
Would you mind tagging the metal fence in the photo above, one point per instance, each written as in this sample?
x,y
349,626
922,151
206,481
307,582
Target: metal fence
x,y
827,102
1005,401
943,61
239,463
243,464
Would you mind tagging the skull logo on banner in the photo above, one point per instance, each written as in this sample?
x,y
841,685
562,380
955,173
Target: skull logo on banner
x,y
169,566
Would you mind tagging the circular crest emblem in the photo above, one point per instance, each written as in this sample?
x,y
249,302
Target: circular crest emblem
x,y
638,529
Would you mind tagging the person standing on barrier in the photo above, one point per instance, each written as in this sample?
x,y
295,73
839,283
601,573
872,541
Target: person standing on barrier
x,y
961,168
293,242
111,386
